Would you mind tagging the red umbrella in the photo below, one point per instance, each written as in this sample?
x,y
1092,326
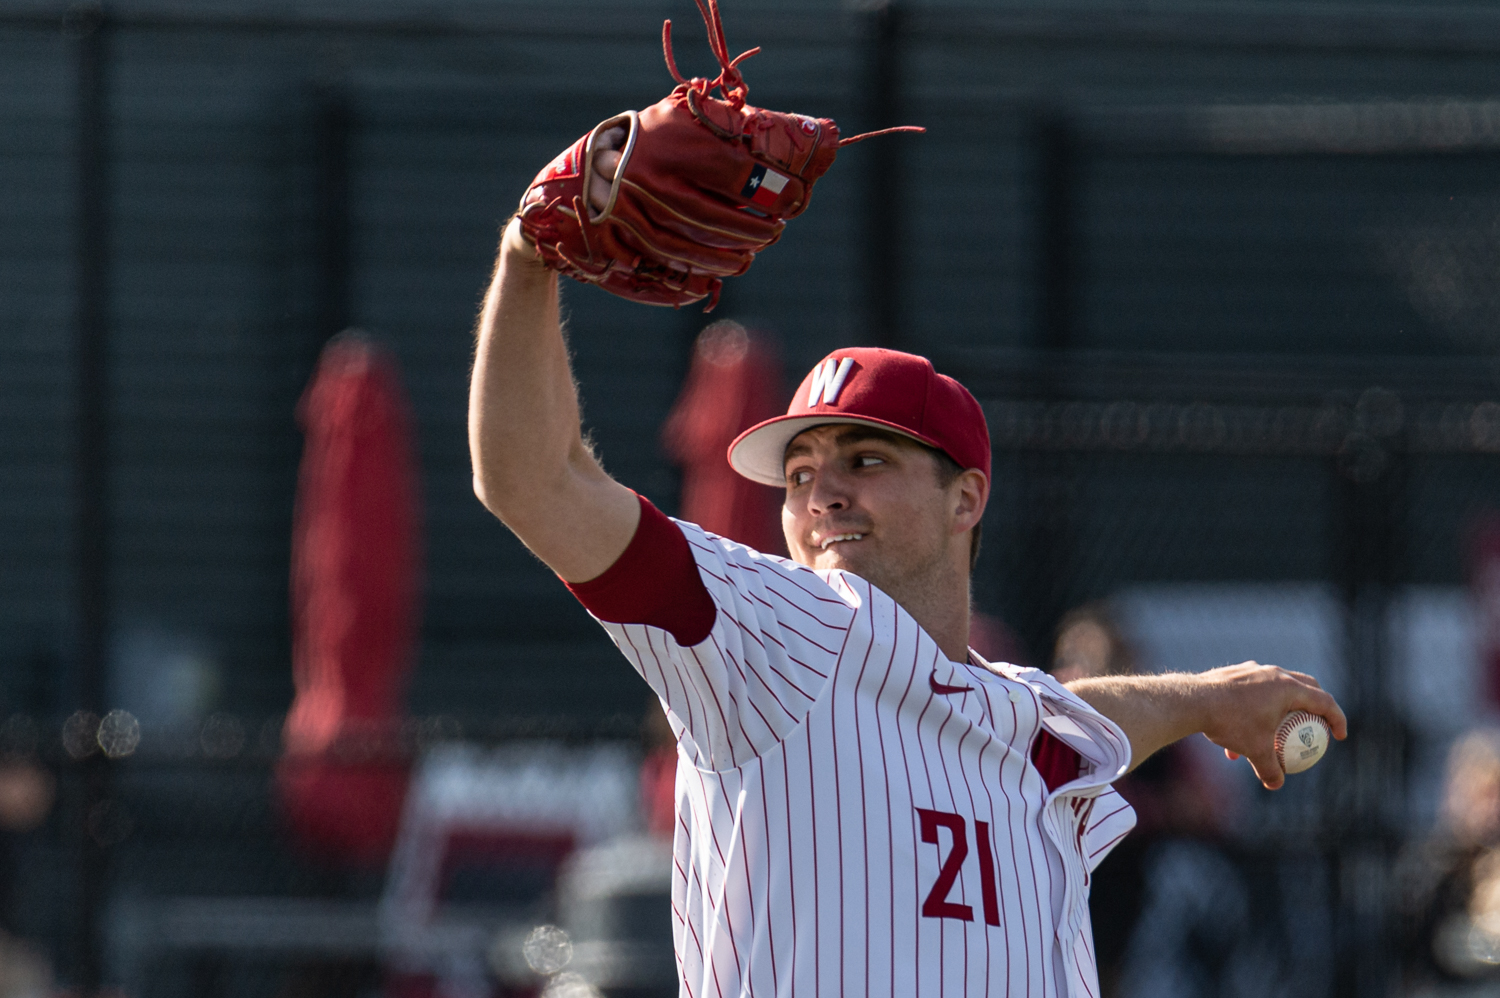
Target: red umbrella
x,y
355,570
734,382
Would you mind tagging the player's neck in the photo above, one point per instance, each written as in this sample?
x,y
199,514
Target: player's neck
x,y
940,605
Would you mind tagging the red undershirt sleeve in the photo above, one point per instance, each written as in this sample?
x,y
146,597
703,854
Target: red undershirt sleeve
x,y
1057,762
654,582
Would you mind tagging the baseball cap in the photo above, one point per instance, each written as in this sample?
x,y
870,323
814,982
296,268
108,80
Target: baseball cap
x,y
868,386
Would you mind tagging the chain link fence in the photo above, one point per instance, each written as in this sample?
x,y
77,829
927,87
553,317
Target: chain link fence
x,y
1177,290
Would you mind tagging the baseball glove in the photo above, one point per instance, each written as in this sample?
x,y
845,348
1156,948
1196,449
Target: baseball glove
x,y
700,184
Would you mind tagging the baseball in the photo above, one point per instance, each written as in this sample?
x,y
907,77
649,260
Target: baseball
x,y
1301,741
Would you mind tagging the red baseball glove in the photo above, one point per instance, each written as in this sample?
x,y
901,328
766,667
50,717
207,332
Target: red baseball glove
x,y
658,205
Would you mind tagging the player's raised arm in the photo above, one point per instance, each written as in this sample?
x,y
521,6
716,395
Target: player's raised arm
x,y
1238,707
657,206
531,466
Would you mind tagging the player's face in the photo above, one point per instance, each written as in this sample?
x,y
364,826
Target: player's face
x,y
869,502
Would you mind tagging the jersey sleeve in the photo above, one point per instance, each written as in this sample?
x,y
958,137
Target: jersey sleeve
x,y
737,644
1077,742
655,582
1106,820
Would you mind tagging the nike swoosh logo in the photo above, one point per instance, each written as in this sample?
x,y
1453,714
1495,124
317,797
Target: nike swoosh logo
x,y
944,690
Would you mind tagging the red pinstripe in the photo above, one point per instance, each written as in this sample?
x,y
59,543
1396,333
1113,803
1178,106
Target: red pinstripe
x,y
890,822
729,657
765,813
1104,849
1029,847
739,714
817,915
757,639
791,861
714,837
864,814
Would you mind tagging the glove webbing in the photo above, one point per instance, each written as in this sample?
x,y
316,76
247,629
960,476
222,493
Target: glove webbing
x,y
730,83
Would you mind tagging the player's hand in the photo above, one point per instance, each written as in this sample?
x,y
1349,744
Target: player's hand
x,y
1245,704
607,156
606,160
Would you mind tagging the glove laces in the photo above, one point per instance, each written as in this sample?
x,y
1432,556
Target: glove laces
x,y
730,82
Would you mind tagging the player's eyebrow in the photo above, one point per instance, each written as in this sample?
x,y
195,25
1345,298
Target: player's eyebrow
x,y
861,434
851,435
795,450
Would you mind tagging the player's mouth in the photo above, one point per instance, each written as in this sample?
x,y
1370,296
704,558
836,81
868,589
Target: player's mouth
x,y
839,539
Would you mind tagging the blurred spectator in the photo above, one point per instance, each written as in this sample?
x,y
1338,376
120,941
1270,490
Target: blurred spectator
x,y
27,793
24,972
1451,882
1089,645
1161,900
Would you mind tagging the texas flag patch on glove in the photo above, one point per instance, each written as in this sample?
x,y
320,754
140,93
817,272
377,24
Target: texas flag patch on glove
x,y
764,186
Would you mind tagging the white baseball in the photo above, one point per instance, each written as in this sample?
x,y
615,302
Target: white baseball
x,y
1301,741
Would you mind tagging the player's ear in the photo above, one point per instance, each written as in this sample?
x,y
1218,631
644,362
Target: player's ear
x,y
969,493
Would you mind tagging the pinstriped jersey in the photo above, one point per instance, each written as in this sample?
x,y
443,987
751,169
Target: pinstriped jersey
x,y
858,815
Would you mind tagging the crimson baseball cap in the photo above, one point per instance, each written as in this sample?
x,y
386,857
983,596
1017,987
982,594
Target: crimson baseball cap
x,y
888,389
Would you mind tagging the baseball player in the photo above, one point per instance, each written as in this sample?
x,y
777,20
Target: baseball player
x,y
865,806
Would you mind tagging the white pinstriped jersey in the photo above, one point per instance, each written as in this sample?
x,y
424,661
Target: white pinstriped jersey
x,y
858,815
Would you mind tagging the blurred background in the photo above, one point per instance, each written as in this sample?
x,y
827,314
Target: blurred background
x,y
284,712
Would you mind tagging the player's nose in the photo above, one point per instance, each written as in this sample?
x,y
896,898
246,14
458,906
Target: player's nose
x,y
827,494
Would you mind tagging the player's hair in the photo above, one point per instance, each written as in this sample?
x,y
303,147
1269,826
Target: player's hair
x,y
948,470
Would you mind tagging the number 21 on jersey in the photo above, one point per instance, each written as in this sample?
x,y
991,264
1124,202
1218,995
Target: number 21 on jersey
x,y
937,904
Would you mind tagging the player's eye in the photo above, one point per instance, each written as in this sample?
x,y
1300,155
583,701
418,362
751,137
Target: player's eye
x,y
868,460
799,477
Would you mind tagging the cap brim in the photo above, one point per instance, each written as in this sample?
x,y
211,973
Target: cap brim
x,y
760,452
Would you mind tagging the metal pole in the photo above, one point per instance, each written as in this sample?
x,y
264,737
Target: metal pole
x,y
91,30
884,233
1367,796
1050,479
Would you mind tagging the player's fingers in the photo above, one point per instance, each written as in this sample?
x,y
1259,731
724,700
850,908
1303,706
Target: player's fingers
x,y
1320,702
606,162
598,192
1301,677
1267,770
1231,754
611,138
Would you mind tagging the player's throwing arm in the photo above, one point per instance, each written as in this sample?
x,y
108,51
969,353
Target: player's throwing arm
x,y
1251,710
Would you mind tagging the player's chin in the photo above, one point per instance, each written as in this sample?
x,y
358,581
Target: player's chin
x,y
844,555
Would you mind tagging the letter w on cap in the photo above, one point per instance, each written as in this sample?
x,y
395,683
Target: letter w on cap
x,y
828,380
